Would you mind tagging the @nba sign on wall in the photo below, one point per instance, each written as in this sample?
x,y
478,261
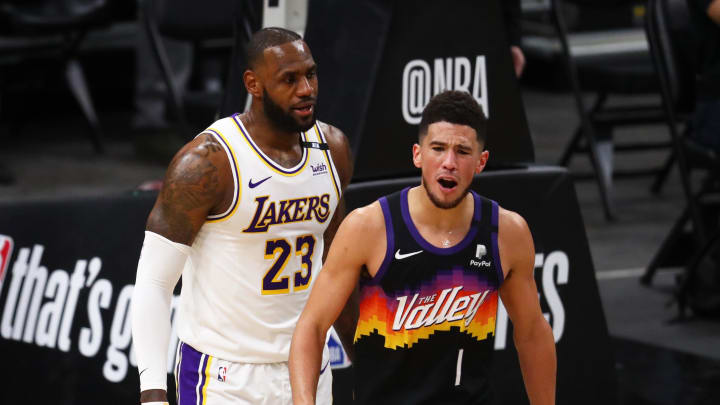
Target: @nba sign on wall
x,y
421,80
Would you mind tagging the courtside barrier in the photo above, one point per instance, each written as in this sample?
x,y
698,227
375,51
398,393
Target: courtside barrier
x,y
68,269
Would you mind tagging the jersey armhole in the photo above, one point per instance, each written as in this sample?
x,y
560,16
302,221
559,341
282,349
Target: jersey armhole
x,y
494,241
235,174
328,158
389,242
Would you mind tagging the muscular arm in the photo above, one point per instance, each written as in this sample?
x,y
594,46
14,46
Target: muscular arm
x,y
195,186
342,157
333,287
532,334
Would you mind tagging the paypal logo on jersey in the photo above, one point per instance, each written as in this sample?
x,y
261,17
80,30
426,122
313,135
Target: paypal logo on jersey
x,y
480,252
268,213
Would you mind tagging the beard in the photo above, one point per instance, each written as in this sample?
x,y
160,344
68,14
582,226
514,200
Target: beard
x,y
441,204
282,119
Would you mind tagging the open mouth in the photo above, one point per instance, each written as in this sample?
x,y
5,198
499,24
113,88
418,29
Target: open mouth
x,y
447,184
304,109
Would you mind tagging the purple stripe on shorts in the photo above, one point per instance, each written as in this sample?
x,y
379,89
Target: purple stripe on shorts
x,y
203,378
188,378
178,360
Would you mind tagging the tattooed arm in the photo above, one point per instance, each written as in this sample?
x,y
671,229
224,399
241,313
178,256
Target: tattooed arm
x,y
198,183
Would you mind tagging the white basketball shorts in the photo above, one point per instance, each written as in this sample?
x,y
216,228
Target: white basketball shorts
x,y
202,379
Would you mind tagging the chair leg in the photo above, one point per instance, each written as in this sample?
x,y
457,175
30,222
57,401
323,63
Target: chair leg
x,y
691,273
588,131
574,143
659,182
78,86
601,152
571,147
164,65
667,244
235,93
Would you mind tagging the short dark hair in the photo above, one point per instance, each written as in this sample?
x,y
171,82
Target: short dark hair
x,y
267,38
455,107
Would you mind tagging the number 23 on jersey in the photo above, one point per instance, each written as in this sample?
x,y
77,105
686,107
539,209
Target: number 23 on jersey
x,y
279,250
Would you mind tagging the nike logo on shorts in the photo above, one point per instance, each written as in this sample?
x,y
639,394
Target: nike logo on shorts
x,y
401,256
253,185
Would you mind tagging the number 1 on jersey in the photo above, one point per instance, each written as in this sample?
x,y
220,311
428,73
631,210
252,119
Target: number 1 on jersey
x,y
279,249
458,369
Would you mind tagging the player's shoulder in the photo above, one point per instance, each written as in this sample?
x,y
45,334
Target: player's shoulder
x,y
202,155
340,150
514,234
208,141
366,220
204,145
511,221
225,124
333,135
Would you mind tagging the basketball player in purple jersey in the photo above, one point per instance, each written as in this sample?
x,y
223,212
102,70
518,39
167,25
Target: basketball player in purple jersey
x,y
433,262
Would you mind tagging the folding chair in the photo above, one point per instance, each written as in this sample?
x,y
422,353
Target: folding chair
x,y
32,28
671,44
207,24
616,72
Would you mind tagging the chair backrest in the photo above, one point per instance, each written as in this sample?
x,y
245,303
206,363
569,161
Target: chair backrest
x,y
31,17
673,45
600,3
193,20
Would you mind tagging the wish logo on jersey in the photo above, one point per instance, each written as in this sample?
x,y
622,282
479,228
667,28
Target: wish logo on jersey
x,y
449,301
319,169
269,213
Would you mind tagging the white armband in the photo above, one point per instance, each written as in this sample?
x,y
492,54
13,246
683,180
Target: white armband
x,y
159,268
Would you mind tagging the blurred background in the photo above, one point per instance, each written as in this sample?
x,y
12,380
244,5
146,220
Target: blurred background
x,y
617,102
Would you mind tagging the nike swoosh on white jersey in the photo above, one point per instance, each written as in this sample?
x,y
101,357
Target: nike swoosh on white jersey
x,y
400,256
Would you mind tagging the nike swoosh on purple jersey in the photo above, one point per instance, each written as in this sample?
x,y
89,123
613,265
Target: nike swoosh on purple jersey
x,y
253,185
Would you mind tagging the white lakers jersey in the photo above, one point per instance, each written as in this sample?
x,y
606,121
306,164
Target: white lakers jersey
x,y
251,268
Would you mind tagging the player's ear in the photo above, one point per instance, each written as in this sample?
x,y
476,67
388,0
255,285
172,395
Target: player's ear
x,y
484,156
252,83
417,155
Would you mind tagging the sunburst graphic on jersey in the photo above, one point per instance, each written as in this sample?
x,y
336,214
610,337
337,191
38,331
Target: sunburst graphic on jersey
x,y
450,300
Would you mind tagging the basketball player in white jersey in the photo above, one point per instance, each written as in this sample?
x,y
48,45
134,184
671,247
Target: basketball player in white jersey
x,y
244,215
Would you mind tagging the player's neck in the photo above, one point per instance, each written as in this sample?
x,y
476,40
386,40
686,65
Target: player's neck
x,y
425,213
266,134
